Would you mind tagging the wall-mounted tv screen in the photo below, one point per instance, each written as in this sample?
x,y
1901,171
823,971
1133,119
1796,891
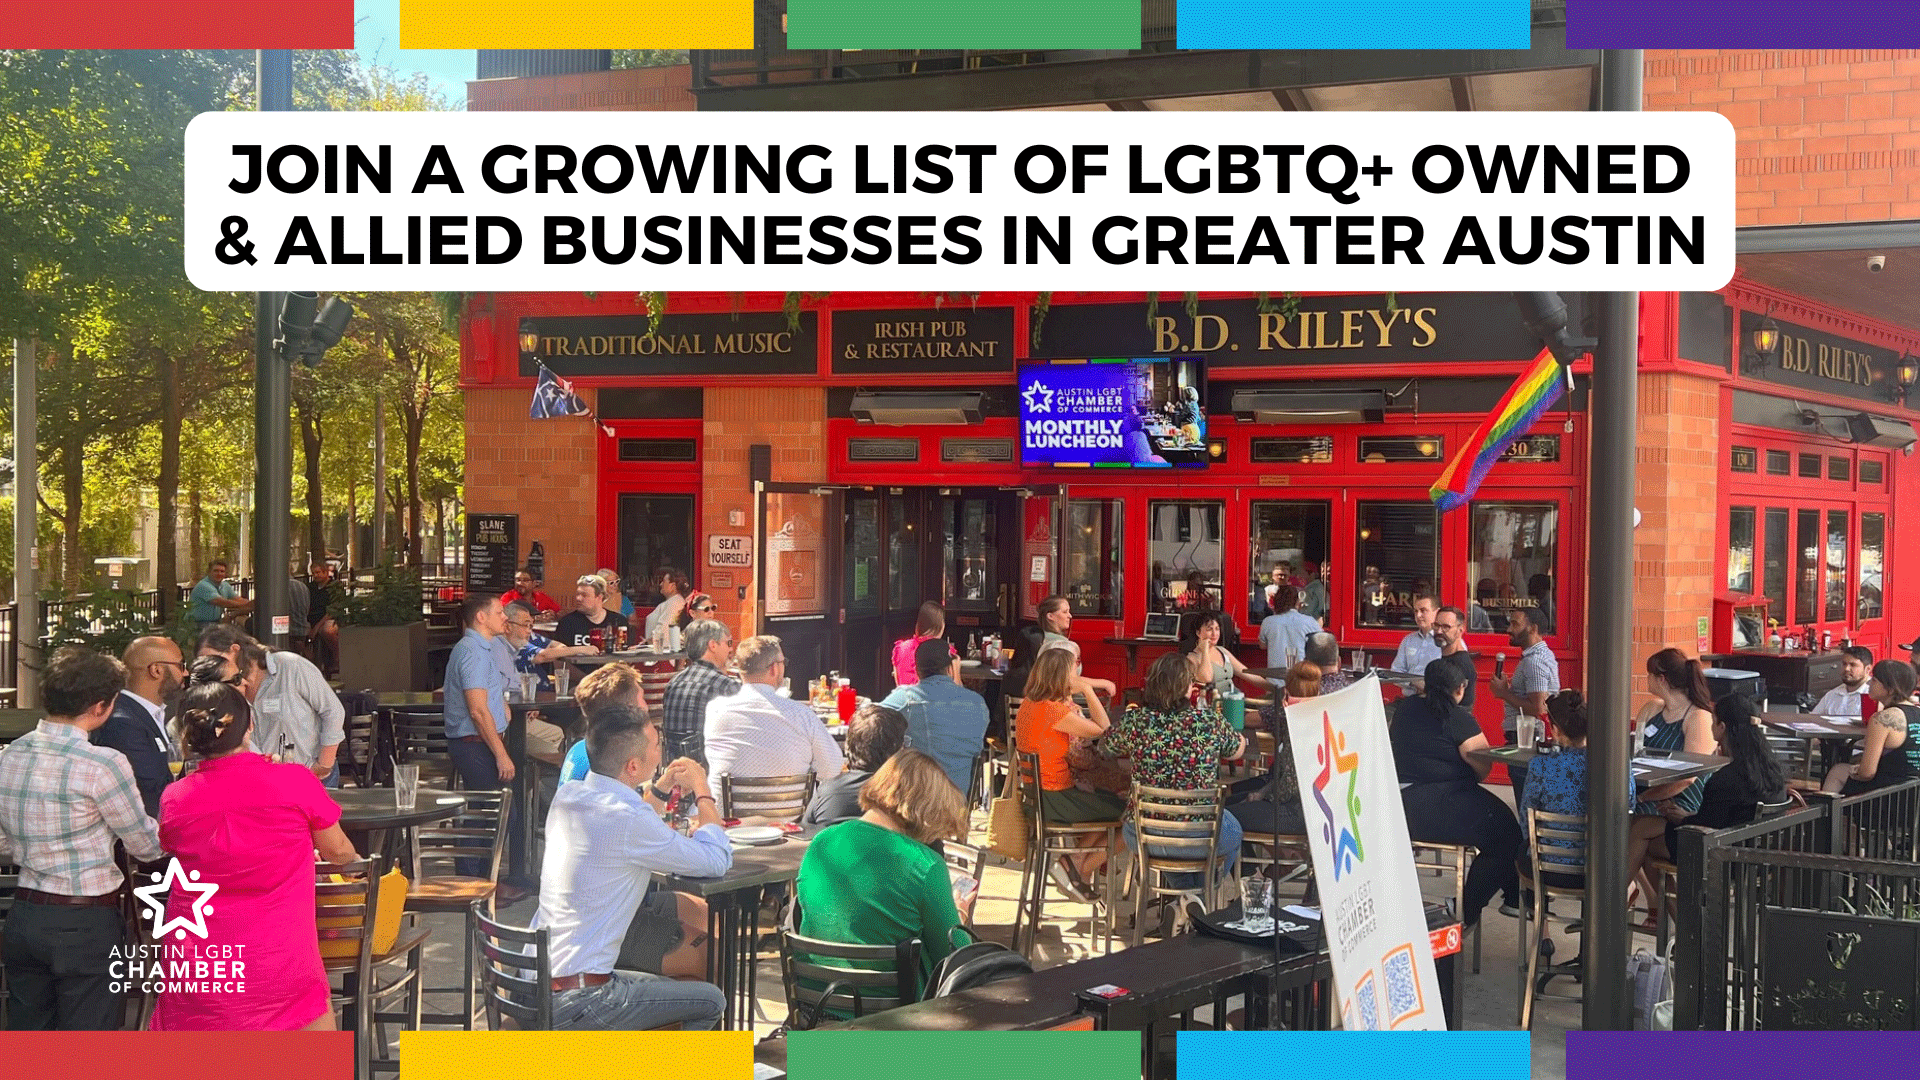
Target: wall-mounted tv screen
x,y
1114,413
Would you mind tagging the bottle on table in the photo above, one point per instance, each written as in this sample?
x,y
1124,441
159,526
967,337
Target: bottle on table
x,y
846,701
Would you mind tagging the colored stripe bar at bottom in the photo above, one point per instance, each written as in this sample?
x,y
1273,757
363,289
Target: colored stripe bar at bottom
x,y
176,24
1742,24
1356,1055
1355,24
963,24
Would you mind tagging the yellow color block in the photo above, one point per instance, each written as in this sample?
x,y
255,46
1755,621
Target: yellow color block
x,y
577,1055
576,24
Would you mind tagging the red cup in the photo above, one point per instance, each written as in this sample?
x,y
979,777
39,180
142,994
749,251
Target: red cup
x,y
847,703
1868,707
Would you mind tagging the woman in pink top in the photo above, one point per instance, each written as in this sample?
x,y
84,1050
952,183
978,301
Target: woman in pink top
x,y
932,623
249,827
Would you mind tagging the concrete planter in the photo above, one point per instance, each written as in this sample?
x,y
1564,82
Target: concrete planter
x,y
384,657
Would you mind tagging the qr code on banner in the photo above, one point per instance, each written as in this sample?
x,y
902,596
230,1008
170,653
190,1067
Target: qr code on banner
x,y
1404,1001
1366,1002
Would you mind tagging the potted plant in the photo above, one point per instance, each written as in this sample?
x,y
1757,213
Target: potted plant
x,y
383,634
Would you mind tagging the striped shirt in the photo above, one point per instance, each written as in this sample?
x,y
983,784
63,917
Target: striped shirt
x,y
1537,673
63,803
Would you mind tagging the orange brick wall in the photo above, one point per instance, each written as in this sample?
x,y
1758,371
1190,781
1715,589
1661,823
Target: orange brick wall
x,y
1825,134
657,89
547,471
1675,490
793,420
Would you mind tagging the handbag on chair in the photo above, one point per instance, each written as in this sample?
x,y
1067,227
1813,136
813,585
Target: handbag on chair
x,y
1008,830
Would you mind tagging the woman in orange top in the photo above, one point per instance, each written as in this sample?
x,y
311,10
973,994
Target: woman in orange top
x,y
1047,719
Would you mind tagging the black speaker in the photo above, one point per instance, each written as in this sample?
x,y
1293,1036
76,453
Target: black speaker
x,y
760,463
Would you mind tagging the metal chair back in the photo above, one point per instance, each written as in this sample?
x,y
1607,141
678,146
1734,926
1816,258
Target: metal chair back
x,y
420,738
516,972
779,798
829,978
479,832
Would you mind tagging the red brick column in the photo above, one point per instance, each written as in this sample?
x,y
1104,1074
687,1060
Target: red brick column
x,y
1676,492
547,471
793,420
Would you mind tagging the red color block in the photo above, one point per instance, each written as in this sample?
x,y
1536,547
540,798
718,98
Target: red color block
x,y
176,24
188,1055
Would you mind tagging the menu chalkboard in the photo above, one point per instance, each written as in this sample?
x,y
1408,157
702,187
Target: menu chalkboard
x,y
493,553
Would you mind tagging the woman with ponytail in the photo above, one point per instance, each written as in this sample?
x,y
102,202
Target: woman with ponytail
x,y
1680,718
249,827
1433,736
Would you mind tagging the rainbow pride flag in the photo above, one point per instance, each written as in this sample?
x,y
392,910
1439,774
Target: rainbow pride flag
x,y
1534,393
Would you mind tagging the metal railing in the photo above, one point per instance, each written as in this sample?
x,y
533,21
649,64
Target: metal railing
x,y
1838,856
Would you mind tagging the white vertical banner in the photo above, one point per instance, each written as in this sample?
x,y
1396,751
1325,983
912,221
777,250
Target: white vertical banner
x,y
1376,923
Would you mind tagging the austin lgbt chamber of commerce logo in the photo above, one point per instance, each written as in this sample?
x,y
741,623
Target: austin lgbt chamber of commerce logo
x,y
180,965
1337,762
154,899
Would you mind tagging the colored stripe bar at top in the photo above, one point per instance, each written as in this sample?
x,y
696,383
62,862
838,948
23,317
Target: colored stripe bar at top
x,y
176,24
1742,24
1355,24
963,24
576,24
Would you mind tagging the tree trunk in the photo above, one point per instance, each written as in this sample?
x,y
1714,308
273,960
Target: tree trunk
x,y
310,438
196,541
352,546
73,464
166,557
416,429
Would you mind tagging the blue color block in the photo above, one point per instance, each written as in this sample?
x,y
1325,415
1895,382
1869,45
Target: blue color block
x,y
1355,24
1355,1055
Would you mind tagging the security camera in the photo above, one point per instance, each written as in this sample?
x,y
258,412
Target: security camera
x,y
1876,263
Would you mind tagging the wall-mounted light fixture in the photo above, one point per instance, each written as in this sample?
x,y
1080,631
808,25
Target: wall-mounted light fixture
x,y
1765,346
529,338
1216,449
1904,375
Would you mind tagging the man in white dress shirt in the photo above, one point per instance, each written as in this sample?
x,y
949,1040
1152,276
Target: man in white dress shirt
x,y
605,841
1844,700
756,732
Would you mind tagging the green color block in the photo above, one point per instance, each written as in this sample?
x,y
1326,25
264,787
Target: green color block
x,y
963,24
924,1055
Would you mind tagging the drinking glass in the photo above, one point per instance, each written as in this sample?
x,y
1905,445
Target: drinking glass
x,y
562,679
406,786
1256,901
1359,660
1525,732
529,686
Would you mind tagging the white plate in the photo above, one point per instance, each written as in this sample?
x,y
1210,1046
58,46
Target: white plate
x,y
754,834
969,663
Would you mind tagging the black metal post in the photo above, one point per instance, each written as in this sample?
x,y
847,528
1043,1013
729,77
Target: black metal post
x,y
272,407
1606,1000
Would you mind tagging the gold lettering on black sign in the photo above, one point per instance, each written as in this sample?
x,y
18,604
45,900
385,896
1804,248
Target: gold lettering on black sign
x,y
922,339
1347,328
1827,361
745,343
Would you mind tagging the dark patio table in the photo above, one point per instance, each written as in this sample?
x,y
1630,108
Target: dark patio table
x,y
370,813
733,915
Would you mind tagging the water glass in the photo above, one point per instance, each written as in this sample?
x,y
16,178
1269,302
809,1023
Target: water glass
x,y
1256,900
562,679
1525,732
1359,660
529,686
406,786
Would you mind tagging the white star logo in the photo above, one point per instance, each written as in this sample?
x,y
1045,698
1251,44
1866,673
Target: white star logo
x,y
1039,398
195,922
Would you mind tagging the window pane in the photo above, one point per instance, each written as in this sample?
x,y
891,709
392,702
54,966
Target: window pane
x,y
972,550
1377,450
1183,540
1094,549
1873,551
656,532
1806,595
1510,561
1839,468
1779,463
1311,450
1289,537
862,553
903,557
1745,460
1740,549
1399,556
1775,580
1836,565
1871,472
1810,466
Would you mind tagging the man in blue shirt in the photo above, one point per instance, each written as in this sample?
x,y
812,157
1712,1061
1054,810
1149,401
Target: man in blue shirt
x,y
476,699
945,721
213,598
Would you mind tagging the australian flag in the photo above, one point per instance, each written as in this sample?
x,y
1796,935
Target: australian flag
x,y
554,397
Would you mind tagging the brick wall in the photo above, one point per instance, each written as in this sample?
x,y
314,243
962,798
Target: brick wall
x,y
791,420
656,89
1676,477
1825,134
547,471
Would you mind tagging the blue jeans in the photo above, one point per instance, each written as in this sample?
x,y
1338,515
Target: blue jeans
x,y
1228,847
634,1001
332,779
